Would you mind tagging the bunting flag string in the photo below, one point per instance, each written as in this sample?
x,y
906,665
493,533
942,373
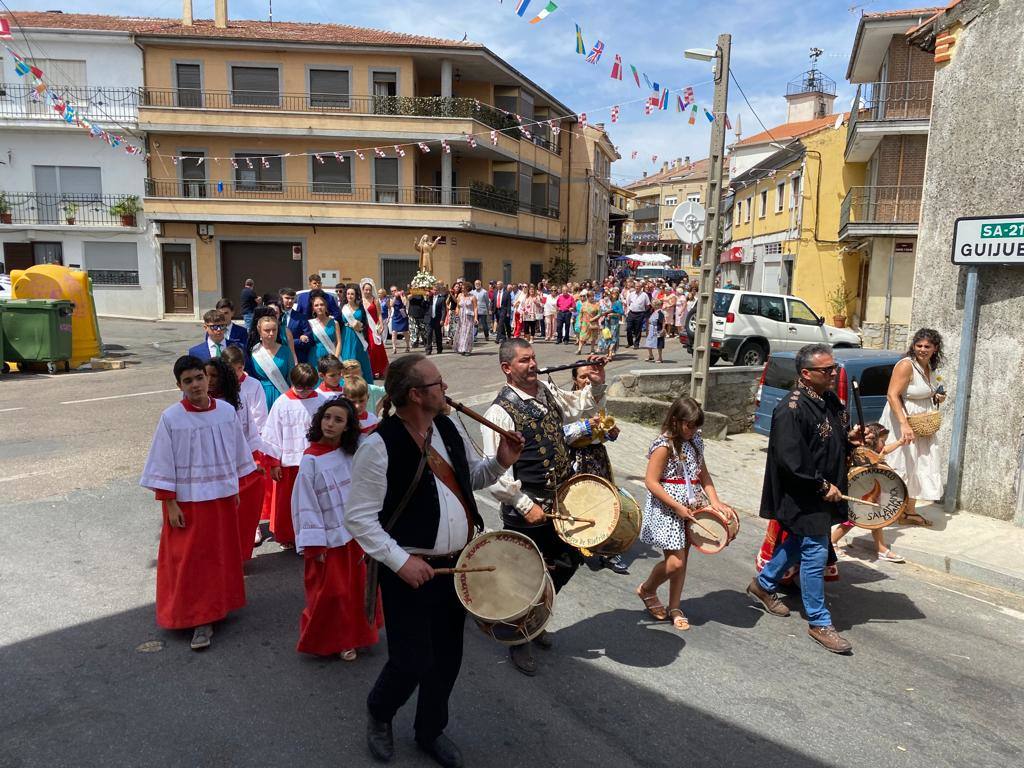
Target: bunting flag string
x,y
544,13
521,6
595,52
617,68
583,119
494,138
399,151
425,149
580,47
636,75
693,115
615,114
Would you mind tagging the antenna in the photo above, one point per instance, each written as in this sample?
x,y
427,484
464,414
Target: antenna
x,y
271,3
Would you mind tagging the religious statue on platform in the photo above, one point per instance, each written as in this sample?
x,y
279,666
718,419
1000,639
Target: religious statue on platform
x,y
425,248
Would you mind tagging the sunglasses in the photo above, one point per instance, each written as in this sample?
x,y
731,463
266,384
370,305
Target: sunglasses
x,y
824,368
216,327
428,386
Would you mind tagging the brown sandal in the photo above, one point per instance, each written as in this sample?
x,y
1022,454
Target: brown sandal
x,y
679,620
916,518
652,604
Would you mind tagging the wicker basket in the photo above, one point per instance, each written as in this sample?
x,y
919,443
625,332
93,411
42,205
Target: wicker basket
x,y
925,424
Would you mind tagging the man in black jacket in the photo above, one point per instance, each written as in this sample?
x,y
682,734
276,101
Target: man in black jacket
x,y
423,616
804,481
502,313
435,317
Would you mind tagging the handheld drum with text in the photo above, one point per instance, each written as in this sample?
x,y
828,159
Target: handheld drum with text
x,y
885,492
714,530
615,514
513,602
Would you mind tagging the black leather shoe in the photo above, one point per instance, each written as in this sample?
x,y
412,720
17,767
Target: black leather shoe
x,y
614,563
379,739
443,750
522,659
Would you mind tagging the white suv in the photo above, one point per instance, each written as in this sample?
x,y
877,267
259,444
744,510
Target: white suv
x,y
749,326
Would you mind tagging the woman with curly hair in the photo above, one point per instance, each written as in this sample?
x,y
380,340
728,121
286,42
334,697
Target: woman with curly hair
x,y
913,390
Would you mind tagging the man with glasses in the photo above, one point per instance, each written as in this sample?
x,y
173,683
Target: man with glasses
x,y
235,333
413,510
216,340
804,482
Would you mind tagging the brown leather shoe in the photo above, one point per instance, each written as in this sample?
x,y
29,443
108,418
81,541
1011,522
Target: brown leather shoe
x,y
829,638
769,600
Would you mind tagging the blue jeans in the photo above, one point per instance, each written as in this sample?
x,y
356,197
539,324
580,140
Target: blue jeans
x,y
812,552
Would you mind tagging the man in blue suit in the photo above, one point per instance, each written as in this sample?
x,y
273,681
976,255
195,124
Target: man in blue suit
x,y
216,337
237,335
303,303
297,323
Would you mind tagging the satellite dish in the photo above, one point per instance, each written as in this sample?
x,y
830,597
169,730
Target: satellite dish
x,y
688,222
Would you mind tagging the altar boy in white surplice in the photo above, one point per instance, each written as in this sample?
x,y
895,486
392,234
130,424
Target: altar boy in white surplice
x,y
197,456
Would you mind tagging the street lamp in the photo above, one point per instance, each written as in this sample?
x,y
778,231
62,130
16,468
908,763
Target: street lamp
x,y
712,234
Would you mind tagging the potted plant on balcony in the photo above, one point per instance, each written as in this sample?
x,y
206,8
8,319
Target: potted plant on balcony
x,y
837,300
70,211
5,209
127,208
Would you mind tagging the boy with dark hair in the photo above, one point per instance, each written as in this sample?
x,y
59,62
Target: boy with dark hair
x,y
331,370
199,564
236,333
284,437
217,338
296,323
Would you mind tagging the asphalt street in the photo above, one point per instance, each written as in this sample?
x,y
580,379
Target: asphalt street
x,y
87,678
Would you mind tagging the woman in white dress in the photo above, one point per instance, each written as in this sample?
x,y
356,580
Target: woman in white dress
x,y
912,390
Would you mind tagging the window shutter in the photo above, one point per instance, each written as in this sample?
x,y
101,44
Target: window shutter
x,y
255,86
189,77
328,88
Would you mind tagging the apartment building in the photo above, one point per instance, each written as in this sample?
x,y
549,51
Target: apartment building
x,y
278,150
619,201
58,184
886,145
588,164
656,198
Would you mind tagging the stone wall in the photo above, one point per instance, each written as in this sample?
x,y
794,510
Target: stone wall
x,y
731,392
874,333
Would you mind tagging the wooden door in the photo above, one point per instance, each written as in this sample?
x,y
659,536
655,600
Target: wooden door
x,y
177,263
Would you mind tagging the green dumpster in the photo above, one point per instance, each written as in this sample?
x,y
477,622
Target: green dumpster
x,y
37,331
3,358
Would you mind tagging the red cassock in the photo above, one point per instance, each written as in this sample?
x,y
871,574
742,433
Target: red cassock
x,y
281,511
251,494
375,344
333,619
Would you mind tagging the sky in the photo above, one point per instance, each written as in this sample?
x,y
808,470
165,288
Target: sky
x,y
770,44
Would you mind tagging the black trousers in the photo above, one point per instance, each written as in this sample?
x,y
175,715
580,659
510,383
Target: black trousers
x,y
563,325
435,334
634,328
424,632
504,328
564,557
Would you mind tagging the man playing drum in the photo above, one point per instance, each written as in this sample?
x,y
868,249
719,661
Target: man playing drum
x,y
538,411
412,510
804,483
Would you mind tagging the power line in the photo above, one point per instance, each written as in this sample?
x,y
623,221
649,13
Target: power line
x,y
750,106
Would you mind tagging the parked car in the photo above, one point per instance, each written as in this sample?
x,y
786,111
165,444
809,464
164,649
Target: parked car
x,y
749,326
870,368
5,287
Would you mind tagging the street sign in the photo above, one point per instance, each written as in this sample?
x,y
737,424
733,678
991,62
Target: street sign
x,y
688,222
980,240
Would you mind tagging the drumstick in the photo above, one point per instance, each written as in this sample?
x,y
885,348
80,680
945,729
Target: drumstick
x,y
570,518
480,419
706,530
452,571
861,501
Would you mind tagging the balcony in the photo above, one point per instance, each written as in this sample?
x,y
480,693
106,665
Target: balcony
x,y
880,211
647,213
109,106
481,207
31,209
887,109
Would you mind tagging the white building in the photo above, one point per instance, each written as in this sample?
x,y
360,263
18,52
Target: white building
x,y
59,183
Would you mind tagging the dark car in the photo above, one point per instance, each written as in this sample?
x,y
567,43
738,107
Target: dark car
x,y
870,368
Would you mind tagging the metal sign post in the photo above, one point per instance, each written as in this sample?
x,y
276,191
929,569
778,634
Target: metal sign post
x,y
712,230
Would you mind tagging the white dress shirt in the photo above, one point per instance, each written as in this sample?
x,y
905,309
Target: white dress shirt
x,y
638,302
362,513
575,403
213,346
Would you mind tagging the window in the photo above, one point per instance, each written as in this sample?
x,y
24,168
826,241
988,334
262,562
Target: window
x,y
255,87
385,179
193,174
874,381
666,225
398,271
47,253
801,314
112,263
739,211
671,200
554,192
749,305
780,196
772,308
253,176
536,273
189,78
385,84
762,208
525,186
329,88
472,270
750,204
330,176
693,197
773,249
780,373
61,186
794,192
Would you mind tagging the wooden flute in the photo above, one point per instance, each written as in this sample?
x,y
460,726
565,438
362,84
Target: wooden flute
x,y
480,419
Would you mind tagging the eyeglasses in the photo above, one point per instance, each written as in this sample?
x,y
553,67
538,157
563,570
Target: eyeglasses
x,y
428,386
216,327
824,368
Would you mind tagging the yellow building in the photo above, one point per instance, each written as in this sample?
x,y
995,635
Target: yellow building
x,y
788,186
280,150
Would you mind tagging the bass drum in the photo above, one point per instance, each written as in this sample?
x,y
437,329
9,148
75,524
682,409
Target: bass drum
x,y
616,515
881,486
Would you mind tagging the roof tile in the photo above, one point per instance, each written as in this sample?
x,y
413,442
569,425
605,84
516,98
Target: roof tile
x,y
791,130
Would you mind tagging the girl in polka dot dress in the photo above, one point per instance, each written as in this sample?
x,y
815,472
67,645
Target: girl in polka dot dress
x,y
678,484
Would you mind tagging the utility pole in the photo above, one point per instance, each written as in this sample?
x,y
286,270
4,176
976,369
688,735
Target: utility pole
x,y
712,233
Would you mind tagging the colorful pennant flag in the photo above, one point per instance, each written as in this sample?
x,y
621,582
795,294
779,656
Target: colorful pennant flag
x,y
20,68
633,154
339,157
649,106
476,104
654,158
265,161
595,52
617,68
680,107
234,163
360,155
37,72
663,102
521,6
319,159
580,47
687,95
548,10
399,151
423,148
379,152
615,114
583,119
494,138
647,80
693,115
444,145
471,140
709,116
636,75
248,162
728,125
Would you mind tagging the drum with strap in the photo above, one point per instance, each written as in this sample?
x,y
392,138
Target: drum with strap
x,y
712,531
594,515
513,602
882,489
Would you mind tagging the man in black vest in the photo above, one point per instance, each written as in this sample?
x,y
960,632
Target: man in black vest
x,y
436,311
424,618
539,412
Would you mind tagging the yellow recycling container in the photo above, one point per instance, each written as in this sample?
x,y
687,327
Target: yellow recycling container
x,y
52,281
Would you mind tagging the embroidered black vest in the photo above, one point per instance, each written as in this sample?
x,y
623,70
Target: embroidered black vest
x,y
417,526
545,451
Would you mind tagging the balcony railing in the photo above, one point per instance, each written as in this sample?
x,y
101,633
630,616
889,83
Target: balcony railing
x,y
97,104
647,213
340,192
881,206
73,209
901,100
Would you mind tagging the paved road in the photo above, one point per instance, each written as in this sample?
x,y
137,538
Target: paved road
x,y
86,678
